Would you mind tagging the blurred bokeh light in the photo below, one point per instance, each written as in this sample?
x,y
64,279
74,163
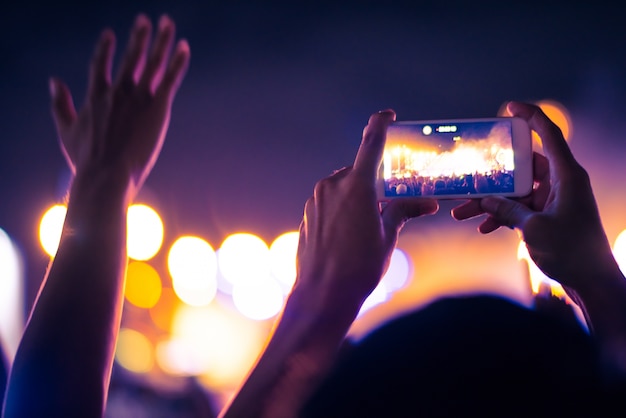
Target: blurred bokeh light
x,y
51,227
258,299
134,351
192,263
11,294
619,250
143,285
283,258
145,232
243,257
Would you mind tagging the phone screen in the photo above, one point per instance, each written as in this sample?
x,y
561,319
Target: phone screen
x,y
449,158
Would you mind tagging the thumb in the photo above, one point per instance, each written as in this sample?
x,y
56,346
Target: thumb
x,y
63,110
398,211
507,212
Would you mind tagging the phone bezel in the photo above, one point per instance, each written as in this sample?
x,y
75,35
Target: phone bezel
x,y
522,154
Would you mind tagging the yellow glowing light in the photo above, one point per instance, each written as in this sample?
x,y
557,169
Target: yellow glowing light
x,y
212,341
283,258
11,295
258,299
243,257
536,275
193,266
559,115
134,351
398,272
143,285
145,232
619,250
162,312
51,227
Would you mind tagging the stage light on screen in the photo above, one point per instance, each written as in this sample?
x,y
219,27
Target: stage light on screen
x,y
398,272
193,266
134,351
258,299
243,257
619,250
11,295
145,232
143,285
50,228
283,259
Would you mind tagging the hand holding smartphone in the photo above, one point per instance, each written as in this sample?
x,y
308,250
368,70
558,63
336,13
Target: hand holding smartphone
x,y
454,159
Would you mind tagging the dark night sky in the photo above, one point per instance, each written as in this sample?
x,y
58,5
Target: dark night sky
x,y
277,94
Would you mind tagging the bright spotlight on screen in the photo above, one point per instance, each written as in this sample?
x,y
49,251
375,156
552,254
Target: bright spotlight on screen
x,y
283,258
258,299
243,257
619,250
50,228
193,266
145,232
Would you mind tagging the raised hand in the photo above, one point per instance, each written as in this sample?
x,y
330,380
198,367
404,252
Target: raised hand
x,y
122,123
345,245
345,239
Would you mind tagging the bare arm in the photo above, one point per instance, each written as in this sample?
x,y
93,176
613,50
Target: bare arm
x,y
63,363
561,227
344,249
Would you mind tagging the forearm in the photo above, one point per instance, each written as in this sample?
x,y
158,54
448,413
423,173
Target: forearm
x,y
302,349
63,363
604,305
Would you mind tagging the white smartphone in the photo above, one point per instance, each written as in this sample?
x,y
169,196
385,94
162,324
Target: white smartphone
x,y
454,159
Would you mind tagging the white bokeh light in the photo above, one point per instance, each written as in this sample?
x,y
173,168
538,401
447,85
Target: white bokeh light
x,y
211,341
51,227
399,271
11,295
619,250
145,232
243,257
379,295
283,258
258,299
192,263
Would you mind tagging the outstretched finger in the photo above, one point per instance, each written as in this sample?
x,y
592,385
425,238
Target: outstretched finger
x,y
554,145
100,69
176,71
467,210
370,151
505,212
63,110
135,54
155,66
